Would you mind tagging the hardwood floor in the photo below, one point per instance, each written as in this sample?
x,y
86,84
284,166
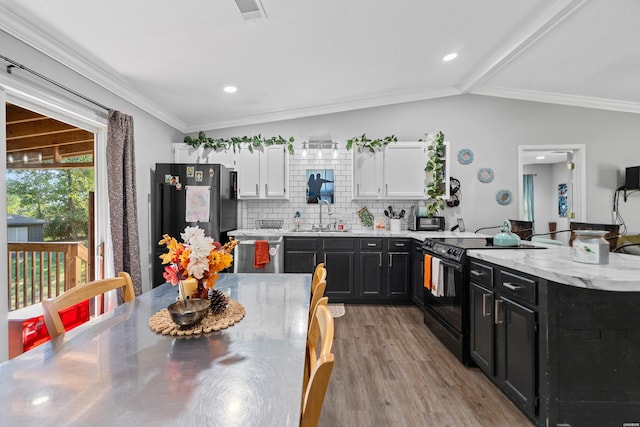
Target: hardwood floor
x,y
390,370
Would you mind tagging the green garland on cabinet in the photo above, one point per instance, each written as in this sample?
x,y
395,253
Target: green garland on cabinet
x,y
370,144
435,165
235,142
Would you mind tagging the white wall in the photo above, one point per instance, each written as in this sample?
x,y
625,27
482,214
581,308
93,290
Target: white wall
x,y
492,128
153,138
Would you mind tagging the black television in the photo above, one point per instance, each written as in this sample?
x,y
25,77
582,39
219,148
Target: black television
x,y
632,178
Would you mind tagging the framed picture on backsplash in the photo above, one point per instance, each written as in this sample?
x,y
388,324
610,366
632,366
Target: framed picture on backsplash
x,y
319,185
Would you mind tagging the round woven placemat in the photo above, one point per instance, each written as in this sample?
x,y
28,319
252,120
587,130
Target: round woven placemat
x,y
161,321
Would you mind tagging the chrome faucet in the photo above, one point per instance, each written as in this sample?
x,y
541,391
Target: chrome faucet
x,y
320,202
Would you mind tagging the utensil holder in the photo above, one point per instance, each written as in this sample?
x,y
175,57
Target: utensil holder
x,y
395,224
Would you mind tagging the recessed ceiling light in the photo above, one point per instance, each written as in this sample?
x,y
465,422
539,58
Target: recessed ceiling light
x,y
539,157
450,57
230,89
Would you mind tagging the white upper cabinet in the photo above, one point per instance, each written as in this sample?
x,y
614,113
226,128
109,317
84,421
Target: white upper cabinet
x,y
263,174
182,153
403,174
367,169
395,172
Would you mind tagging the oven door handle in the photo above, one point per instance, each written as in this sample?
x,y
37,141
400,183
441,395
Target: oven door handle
x,y
456,267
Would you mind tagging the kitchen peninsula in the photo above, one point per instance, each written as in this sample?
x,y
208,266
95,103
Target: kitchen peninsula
x,y
560,338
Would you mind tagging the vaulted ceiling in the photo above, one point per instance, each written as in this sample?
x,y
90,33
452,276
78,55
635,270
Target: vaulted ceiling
x,y
306,58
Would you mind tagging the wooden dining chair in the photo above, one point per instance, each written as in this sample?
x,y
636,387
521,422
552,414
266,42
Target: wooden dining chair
x,y
51,307
317,296
316,391
319,339
319,274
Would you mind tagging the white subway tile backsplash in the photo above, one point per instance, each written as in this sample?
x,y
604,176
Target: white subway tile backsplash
x,y
343,207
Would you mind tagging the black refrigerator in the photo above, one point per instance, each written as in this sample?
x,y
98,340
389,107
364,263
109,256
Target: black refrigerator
x,y
203,195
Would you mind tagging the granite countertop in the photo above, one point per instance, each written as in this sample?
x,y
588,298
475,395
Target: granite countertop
x,y
555,263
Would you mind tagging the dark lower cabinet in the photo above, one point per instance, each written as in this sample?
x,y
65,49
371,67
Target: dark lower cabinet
x,y
504,331
301,255
341,269
398,269
516,345
370,273
482,339
377,270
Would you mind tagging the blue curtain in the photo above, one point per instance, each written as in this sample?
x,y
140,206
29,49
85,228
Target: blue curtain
x,y
527,181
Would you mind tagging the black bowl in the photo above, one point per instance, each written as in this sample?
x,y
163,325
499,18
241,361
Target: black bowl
x,y
187,313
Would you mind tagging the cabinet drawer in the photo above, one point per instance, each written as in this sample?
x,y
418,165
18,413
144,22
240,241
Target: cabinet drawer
x,y
371,244
399,245
481,273
522,287
338,243
300,244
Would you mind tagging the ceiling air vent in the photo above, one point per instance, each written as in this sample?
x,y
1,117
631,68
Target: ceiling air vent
x,y
251,9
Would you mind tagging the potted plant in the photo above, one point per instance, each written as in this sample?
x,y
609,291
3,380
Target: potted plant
x,y
434,167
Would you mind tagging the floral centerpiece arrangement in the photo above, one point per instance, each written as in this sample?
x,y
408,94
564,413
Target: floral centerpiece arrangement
x,y
197,257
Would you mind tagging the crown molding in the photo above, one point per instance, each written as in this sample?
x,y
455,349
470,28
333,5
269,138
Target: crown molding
x,y
560,98
22,30
318,110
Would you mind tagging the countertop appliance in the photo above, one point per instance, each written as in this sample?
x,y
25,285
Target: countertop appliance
x,y
447,312
203,195
423,223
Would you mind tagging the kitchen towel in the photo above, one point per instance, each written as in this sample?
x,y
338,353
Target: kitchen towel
x,y
261,254
427,272
436,278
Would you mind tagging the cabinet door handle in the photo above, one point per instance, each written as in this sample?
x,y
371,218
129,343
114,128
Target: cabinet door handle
x,y
257,190
325,259
390,260
371,245
358,189
386,189
485,312
399,245
509,285
314,259
496,307
266,189
380,260
476,273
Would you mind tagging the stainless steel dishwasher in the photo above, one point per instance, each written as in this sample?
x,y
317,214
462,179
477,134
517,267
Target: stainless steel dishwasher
x,y
244,254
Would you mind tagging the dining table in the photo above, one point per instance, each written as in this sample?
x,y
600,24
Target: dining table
x,y
116,371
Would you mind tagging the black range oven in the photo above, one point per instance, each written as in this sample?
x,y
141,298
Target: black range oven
x,y
447,304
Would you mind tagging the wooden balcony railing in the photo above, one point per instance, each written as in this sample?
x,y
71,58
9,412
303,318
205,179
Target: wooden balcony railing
x,y
39,270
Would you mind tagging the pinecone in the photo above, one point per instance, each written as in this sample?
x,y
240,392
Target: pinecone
x,y
217,300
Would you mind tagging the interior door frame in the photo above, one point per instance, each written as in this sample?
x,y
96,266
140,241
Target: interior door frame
x,y
580,174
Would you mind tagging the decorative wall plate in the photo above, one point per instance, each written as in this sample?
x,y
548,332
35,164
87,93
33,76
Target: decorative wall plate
x,y
465,156
503,197
485,175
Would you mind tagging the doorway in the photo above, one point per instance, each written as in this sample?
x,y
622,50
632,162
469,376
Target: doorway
x,y
556,189
50,182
